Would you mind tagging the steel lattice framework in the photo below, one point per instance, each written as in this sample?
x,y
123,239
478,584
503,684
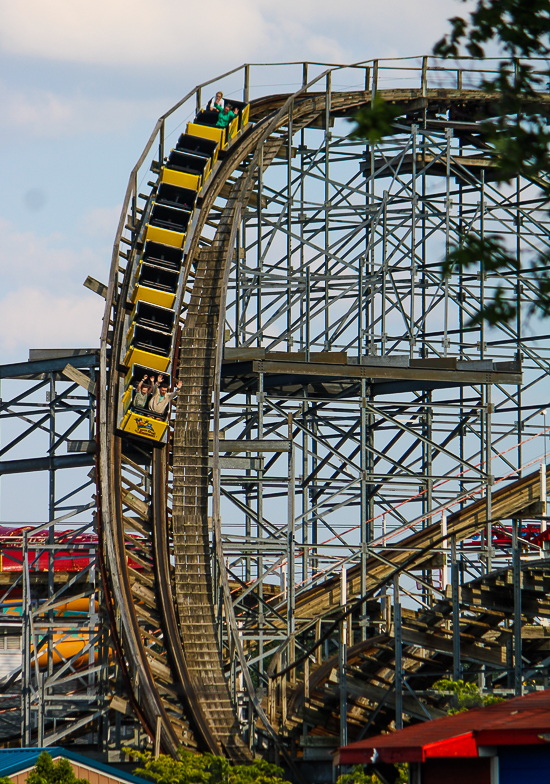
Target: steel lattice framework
x,y
370,442
55,668
337,262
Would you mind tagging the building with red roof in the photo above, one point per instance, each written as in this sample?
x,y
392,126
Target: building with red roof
x,y
504,743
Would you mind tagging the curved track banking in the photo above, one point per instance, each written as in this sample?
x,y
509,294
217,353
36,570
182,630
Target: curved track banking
x,y
506,502
165,622
427,651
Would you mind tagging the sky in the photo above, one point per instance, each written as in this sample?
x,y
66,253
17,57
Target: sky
x,y
81,86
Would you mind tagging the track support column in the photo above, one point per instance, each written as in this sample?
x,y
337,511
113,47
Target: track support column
x,y
457,671
518,668
398,637
342,661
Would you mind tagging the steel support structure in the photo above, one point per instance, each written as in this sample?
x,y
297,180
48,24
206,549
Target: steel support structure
x,y
51,606
335,312
359,402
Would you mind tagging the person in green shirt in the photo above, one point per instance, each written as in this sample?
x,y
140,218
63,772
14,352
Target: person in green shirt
x,y
225,117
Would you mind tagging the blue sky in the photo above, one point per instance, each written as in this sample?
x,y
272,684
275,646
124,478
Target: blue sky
x,y
81,86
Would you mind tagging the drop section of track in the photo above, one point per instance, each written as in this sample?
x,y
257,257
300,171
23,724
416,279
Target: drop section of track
x,y
143,307
163,619
172,665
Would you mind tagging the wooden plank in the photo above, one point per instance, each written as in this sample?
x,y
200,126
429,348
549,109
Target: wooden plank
x,y
95,286
255,445
143,593
80,378
225,193
45,354
136,505
328,741
121,706
81,446
141,577
445,645
394,373
245,463
250,354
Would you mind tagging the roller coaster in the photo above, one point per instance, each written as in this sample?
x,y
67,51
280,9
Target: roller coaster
x,y
347,498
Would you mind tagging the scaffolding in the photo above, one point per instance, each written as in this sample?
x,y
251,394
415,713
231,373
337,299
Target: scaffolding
x,y
368,402
378,455
55,684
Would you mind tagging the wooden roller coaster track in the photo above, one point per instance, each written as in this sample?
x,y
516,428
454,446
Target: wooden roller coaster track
x,y
164,617
418,547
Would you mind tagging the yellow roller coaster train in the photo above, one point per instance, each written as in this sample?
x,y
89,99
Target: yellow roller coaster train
x,y
151,336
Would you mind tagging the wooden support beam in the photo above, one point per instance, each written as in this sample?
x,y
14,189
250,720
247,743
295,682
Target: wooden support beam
x,y
378,372
445,645
80,378
95,286
255,445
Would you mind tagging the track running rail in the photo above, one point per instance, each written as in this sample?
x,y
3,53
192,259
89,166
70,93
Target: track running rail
x,y
164,619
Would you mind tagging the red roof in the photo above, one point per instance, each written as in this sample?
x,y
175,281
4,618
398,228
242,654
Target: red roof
x,y
519,721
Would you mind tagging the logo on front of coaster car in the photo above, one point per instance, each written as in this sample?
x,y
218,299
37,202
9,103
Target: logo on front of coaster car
x,y
144,428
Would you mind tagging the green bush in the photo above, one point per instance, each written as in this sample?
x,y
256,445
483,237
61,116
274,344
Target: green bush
x,y
46,771
203,769
467,695
358,776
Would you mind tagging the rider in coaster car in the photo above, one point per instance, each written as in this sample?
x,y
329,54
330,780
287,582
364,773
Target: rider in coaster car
x,y
161,397
225,117
217,103
143,390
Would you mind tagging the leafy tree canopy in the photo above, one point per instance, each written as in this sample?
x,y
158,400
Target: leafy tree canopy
x,y
203,769
517,134
46,771
466,695
358,775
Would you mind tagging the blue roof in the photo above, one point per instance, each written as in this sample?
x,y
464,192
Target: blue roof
x,y
14,760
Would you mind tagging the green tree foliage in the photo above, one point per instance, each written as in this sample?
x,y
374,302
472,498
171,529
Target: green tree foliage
x,y
203,769
375,121
517,135
466,695
46,771
359,776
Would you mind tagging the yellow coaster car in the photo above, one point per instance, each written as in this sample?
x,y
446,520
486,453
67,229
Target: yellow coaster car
x,y
136,356
144,426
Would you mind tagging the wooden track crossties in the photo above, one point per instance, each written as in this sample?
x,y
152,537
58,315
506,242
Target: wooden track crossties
x,y
193,578
165,618
506,502
486,608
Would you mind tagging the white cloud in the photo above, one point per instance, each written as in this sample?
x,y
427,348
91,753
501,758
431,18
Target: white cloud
x,y
43,303
164,33
124,32
47,114
101,222
37,318
47,261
